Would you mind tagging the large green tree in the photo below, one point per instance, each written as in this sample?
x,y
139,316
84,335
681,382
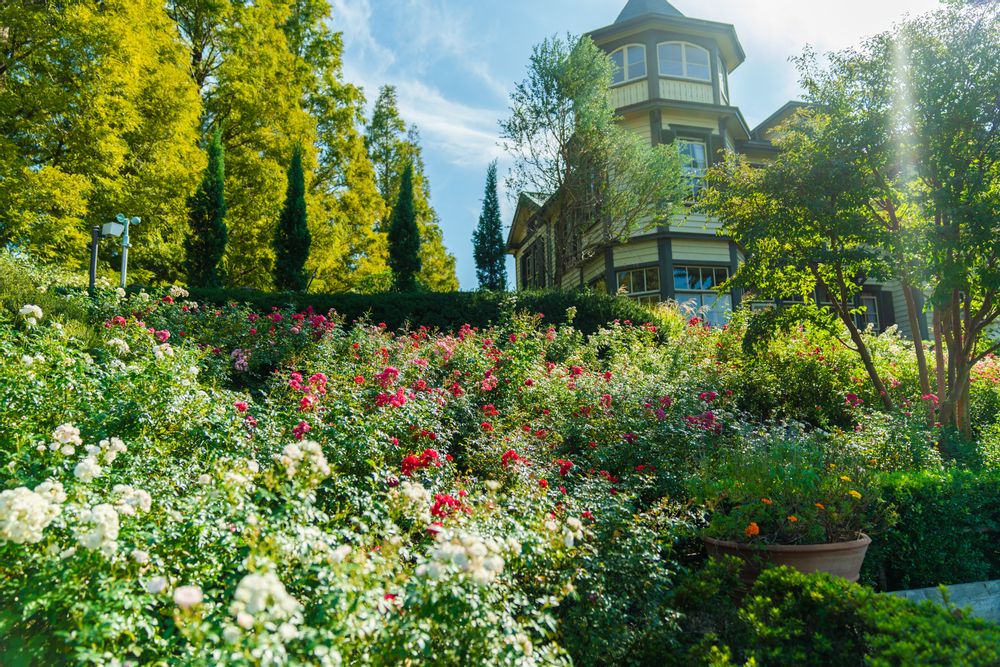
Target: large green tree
x,y
563,133
98,115
487,239
392,146
206,243
292,239
404,237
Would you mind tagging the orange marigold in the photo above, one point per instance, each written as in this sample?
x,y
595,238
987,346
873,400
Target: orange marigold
x,y
766,501
820,506
793,518
753,529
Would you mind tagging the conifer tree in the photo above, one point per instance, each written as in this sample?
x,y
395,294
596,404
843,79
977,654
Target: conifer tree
x,y
404,237
206,243
292,239
487,239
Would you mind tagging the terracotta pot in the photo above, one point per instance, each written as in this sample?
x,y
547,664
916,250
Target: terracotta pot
x,y
842,559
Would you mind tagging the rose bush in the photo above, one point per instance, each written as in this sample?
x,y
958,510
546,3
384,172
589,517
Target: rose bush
x,y
191,484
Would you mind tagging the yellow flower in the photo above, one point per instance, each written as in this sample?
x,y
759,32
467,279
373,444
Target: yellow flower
x,y
845,478
854,494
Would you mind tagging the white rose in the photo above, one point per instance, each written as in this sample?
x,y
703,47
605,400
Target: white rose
x,y
186,597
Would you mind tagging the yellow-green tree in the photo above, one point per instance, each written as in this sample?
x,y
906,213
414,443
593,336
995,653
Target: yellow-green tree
x,y
97,116
391,147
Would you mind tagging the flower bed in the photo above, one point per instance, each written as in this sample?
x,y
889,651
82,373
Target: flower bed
x,y
211,485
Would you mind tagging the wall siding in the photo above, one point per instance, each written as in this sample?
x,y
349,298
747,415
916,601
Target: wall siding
x,y
641,252
638,123
688,250
686,91
594,268
691,120
695,223
630,93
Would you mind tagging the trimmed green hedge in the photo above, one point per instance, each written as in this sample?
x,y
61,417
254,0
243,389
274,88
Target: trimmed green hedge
x,y
797,620
948,530
444,310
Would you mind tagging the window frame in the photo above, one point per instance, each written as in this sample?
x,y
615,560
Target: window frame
x,y
624,49
534,264
684,62
695,175
701,294
647,296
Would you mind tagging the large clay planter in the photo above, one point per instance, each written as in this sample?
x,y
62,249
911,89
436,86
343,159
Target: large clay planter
x,y
842,559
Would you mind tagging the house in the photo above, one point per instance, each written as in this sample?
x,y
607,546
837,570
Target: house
x,y
671,84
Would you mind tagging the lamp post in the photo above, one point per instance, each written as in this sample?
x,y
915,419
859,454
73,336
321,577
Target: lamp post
x,y
118,227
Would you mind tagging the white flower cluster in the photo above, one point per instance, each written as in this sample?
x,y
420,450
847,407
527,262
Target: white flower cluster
x,y
305,461
28,360
262,598
239,474
178,292
469,554
120,292
571,531
119,345
24,513
98,529
65,439
105,452
414,500
160,352
31,313
131,500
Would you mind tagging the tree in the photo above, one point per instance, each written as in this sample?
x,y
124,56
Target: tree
x,y
921,103
487,239
97,116
404,237
603,180
206,243
805,224
292,238
392,147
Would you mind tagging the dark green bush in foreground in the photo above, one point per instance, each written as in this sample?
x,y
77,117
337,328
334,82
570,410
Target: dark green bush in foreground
x,y
948,530
792,619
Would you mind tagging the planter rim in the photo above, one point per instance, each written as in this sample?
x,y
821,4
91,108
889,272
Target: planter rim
x,y
862,541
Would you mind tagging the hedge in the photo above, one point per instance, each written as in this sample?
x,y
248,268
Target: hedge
x,y
446,311
947,532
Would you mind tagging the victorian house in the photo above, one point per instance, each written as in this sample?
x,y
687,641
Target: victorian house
x,y
671,85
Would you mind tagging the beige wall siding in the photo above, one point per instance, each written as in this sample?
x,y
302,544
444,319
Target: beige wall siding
x,y
594,268
630,93
692,120
637,252
686,91
638,123
695,223
693,250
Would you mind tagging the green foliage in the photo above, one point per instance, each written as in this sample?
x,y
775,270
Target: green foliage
x,y
292,239
789,618
488,245
946,532
97,116
567,143
206,243
404,237
392,147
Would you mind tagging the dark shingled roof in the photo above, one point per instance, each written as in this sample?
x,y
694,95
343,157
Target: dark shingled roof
x,y
636,8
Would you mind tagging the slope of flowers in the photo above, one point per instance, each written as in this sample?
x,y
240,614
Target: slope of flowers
x,y
216,486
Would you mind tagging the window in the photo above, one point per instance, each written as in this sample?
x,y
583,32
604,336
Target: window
x,y
696,162
694,288
643,285
870,316
629,62
723,82
533,265
684,60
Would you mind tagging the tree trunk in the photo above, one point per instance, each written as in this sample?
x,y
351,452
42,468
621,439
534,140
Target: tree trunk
x,y
866,359
918,339
939,371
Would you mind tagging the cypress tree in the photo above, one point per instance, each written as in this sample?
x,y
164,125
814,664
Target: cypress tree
x,y
206,243
292,239
487,239
404,237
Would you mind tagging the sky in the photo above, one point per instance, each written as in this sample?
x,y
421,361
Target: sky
x,y
454,61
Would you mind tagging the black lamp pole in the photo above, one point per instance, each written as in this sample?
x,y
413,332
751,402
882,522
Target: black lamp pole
x,y
95,239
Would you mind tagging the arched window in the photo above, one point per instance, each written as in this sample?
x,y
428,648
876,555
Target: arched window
x,y
684,60
629,62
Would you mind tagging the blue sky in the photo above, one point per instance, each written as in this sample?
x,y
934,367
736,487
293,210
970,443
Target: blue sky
x,y
453,62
